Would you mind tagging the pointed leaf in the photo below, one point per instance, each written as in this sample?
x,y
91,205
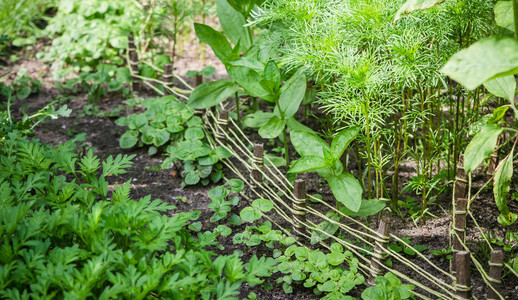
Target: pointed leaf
x,y
216,40
486,59
233,24
292,95
481,147
503,175
307,164
413,5
209,94
342,140
504,16
367,208
249,80
347,190
308,144
273,128
503,87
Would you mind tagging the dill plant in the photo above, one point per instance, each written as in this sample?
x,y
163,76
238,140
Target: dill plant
x,y
383,75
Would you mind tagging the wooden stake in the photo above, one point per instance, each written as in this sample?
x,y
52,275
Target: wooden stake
x,y
463,275
133,62
459,226
258,161
168,73
461,180
380,250
299,205
495,274
198,79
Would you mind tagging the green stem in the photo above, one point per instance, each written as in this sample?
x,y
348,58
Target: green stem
x,y
237,110
515,10
286,151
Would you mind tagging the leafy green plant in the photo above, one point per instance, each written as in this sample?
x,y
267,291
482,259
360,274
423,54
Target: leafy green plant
x,y
443,254
170,124
388,287
220,204
322,272
402,248
24,86
255,235
316,155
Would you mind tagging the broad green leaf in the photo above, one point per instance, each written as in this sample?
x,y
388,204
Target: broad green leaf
x,y
498,114
233,24
263,205
272,74
272,160
486,59
481,147
502,181
128,139
123,74
257,119
216,40
293,124
273,128
367,208
249,80
192,178
236,185
308,164
342,140
211,93
336,258
503,87
308,144
318,259
193,134
413,5
292,95
250,214
504,16
347,190
249,63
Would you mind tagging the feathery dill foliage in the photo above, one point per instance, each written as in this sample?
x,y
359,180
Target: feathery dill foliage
x,y
383,75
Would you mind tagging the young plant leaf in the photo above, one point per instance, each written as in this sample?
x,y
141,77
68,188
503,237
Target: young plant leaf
x,y
308,144
486,59
273,128
367,208
481,147
503,175
413,5
347,190
263,205
250,214
308,164
233,24
292,95
504,16
249,80
342,140
272,73
216,40
503,87
211,93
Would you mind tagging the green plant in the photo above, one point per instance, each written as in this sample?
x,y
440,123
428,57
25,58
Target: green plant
x,y
388,287
24,86
323,272
497,76
218,196
402,248
168,123
318,156
255,235
443,254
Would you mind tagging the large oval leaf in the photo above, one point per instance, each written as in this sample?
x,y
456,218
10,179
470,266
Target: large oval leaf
x,y
307,164
367,208
503,175
347,190
307,143
249,80
342,140
481,147
273,128
211,93
413,5
503,87
504,16
216,40
233,24
292,95
487,59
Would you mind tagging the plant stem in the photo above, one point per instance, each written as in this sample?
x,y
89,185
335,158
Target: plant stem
x,y
237,110
515,10
286,151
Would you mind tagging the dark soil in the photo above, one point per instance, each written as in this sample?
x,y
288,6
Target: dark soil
x,y
148,179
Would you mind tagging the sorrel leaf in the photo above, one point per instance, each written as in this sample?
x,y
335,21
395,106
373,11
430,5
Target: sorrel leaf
x,y
504,16
308,164
503,87
342,140
292,94
216,40
308,144
233,24
273,128
503,175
